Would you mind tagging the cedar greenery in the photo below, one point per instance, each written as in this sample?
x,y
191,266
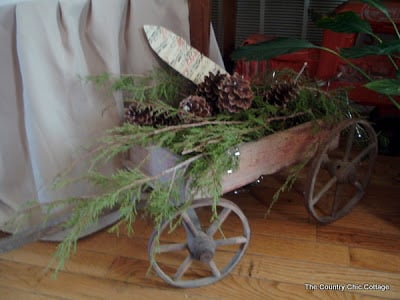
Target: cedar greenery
x,y
205,149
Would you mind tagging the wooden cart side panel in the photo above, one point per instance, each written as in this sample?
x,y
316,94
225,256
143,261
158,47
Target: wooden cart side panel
x,y
274,153
266,156
153,160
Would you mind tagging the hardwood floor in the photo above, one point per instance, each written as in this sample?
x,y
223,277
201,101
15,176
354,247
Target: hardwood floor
x,y
289,256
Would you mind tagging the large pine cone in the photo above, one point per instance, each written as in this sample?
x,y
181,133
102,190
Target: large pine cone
x,y
234,93
208,89
282,93
146,115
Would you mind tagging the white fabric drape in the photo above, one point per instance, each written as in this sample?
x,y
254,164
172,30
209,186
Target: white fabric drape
x,y
47,112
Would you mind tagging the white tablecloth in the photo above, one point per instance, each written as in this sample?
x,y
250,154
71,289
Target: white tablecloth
x,y
48,114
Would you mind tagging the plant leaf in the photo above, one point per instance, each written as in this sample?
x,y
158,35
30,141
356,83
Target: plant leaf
x,y
382,8
346,22
378,5
389,87
385,48
272,48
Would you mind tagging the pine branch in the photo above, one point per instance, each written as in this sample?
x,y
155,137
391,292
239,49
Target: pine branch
x,y
192,125
200,147
181,165
284,118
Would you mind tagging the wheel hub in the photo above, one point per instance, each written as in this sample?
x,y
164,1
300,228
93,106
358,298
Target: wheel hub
x,y
344,171
202,247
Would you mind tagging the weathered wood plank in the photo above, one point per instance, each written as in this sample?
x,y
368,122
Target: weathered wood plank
x,y
275,152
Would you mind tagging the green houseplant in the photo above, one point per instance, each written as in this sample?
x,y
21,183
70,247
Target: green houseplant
x,y
345,22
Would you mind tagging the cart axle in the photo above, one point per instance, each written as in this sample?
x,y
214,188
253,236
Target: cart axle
x,y
345,172
202,247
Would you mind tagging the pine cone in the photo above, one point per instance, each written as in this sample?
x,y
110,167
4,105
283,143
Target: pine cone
x,y
282,93
234,93
139,115
208,89
164,119
146,115
196,106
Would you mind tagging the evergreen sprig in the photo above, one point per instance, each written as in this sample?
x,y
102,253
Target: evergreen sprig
x,y
163,86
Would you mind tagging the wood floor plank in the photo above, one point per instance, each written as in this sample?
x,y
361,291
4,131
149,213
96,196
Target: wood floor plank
x,y
300,250
292,271
13,293
361,238
78,286
375,260
286,228
266,289
272,272
361,219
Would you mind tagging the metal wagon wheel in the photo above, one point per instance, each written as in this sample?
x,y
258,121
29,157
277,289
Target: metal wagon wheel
x,y
340,172
201,249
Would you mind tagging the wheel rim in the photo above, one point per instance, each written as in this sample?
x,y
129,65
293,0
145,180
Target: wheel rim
x,y
341,171
200,250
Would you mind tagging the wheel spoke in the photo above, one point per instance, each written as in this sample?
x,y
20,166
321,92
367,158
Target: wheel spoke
x,y
325,161
214,268
335,204
362,154
326,187
183,268
171,248
349,142
218,222
188,221
358,186
231,241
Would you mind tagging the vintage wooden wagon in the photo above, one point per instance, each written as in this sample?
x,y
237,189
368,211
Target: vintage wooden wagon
x,y
204,241
202,248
